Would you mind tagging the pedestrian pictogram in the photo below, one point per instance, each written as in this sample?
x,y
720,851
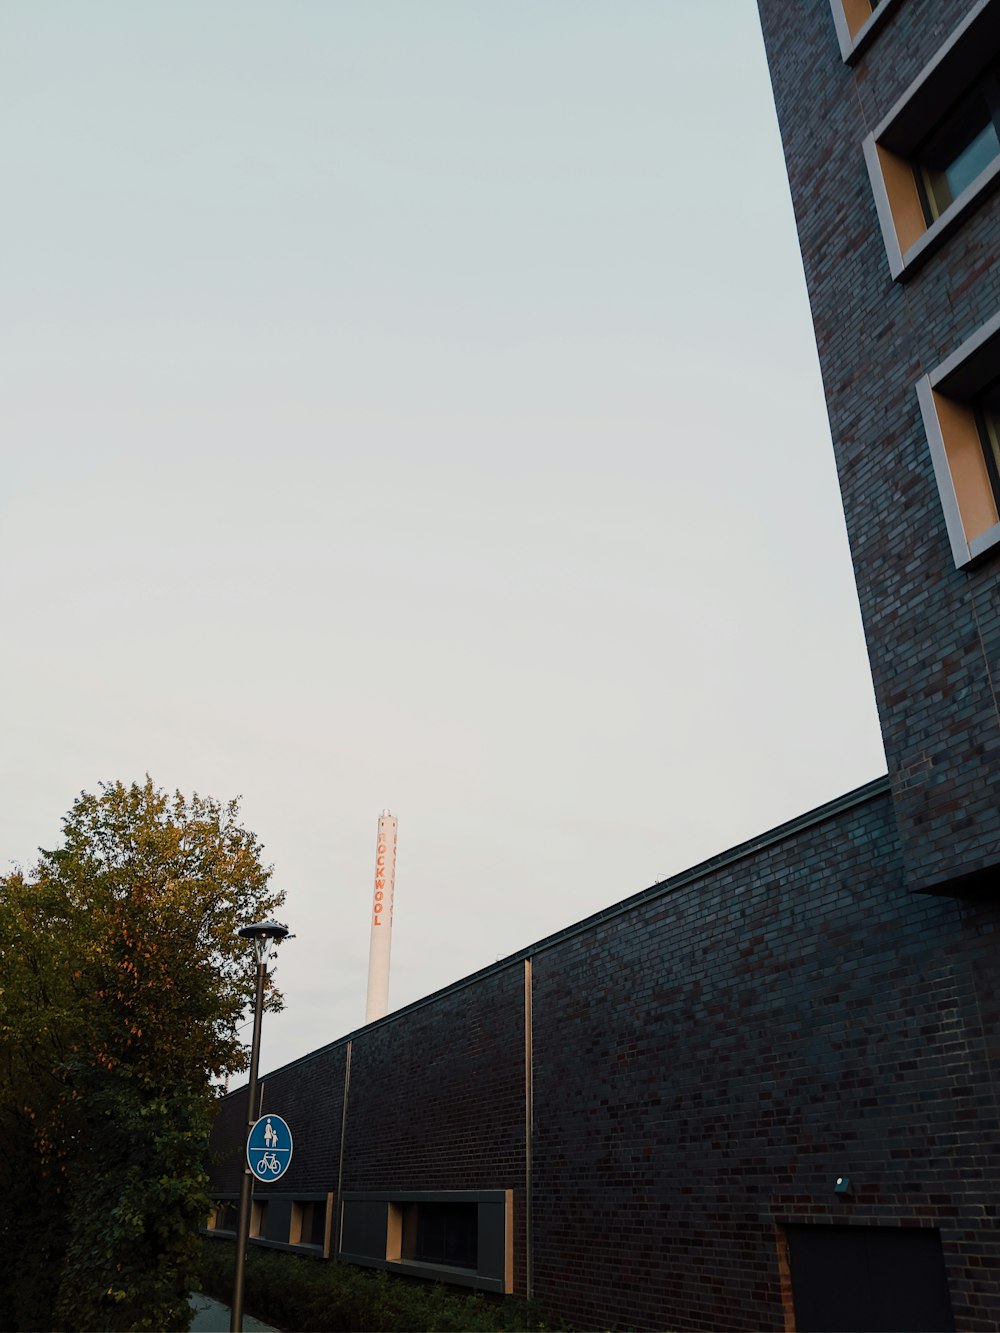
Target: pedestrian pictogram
x,y
269,1148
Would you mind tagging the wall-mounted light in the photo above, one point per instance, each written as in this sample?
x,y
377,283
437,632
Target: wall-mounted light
x,y
843,1185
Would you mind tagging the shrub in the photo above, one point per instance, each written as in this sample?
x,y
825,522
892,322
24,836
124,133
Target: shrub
x,y
311,1296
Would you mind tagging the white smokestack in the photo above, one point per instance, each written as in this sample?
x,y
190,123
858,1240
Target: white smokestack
x,y
381,938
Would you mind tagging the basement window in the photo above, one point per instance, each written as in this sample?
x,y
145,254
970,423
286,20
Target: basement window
x,y
463,1237
936,156
223,1216
279,1222
308,1223
856,22
440,1233
960,405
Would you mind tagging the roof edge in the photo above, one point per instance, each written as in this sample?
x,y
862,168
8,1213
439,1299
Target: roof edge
x,y
858,796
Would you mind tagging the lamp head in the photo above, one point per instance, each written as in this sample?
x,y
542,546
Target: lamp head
x,y
263,935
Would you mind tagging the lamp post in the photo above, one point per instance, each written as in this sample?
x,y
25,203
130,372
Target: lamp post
x,y
263,935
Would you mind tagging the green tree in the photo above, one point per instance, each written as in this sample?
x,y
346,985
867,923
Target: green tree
x,y
122,984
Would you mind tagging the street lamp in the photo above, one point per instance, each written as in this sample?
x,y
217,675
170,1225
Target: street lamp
x,y
264,935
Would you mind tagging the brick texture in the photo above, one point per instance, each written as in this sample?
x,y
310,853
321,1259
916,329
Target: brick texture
x,y
706,1067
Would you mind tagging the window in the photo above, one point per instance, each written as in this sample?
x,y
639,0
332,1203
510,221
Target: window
x,y
960,405
258,1217
308,1223
963,146
281,1221
937,153
459,1236
856,22
223,1216
441,1233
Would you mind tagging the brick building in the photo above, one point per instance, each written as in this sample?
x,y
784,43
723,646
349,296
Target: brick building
x,y
762,1094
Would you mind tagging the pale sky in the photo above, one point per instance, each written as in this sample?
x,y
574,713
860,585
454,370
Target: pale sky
x,y
414,404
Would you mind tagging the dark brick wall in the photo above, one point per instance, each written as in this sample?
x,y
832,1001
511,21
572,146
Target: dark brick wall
x,y
437,1097
435,1102
933,632
707,1059
706,1066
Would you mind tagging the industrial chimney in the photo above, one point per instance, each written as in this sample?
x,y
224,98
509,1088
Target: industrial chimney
x,y
381,935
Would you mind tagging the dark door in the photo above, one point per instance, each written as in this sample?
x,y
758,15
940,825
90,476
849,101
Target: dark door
x,y
869,1280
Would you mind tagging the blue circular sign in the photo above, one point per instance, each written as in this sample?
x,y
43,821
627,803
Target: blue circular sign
x,y
269,1148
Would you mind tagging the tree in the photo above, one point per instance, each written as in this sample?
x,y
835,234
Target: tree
x,y
122,984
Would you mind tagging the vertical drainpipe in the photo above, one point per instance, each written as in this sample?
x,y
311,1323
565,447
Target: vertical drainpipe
x,y
529,1123
340,1161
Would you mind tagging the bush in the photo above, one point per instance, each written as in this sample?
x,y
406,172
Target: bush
x,y
311,1296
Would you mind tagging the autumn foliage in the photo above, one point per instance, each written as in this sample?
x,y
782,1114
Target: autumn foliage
x,y
122,984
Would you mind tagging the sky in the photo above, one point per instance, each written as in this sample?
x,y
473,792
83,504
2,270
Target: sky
x,y
413,404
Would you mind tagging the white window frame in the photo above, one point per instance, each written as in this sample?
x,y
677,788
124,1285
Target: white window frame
x,y
856,28
946,398
888,150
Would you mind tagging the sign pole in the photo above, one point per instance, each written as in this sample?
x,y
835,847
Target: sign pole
x,y
246,1180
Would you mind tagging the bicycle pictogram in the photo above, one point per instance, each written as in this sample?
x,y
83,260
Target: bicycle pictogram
x,y
268,1163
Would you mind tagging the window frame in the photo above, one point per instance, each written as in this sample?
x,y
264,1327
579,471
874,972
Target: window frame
x,y
969,487
986,90
415,1224
295,1200
891,149
855,29
376,1237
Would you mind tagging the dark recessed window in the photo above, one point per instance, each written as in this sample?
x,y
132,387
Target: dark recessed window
x,y
460,1236
935,157
965,144
960,404
308,1225
224,1218
441,1233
